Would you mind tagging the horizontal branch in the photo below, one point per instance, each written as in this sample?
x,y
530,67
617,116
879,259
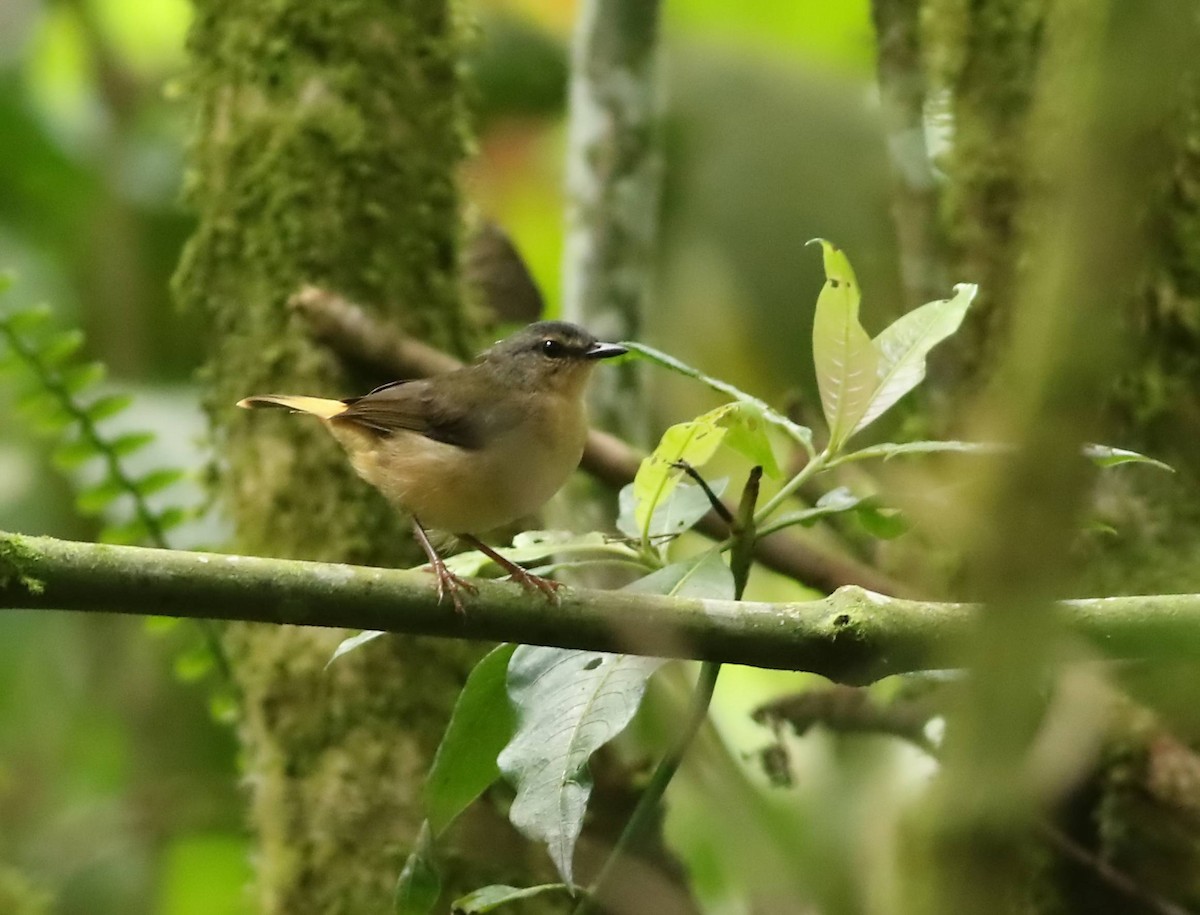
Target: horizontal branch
x,y
853,636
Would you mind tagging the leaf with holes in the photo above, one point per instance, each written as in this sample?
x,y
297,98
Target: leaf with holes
x,y
695,442
739,424
905,344
846,360
568,704
748,436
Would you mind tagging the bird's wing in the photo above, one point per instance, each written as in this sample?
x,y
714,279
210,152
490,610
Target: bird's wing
x,y
417,406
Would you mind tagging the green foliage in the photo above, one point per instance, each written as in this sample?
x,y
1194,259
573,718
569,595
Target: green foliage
x,y
860,378
490,898
420,884
846,360
740,424
60,397
480,726
568,705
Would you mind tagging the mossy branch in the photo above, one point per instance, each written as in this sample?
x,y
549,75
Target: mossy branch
x,y
852,636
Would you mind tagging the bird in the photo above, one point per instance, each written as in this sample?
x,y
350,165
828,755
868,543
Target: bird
x,y
475,448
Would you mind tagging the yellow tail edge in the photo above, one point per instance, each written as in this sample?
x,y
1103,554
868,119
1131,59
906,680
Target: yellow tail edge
x,y
317,406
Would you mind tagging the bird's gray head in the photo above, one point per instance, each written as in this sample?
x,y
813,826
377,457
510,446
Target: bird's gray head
x,y
553,354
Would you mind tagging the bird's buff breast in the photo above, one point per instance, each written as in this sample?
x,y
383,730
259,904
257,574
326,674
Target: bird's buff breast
x,y
468,492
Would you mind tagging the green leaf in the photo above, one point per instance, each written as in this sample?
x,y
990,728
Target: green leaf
x,y
354,641
694,442
881,521
490,898
79,378
686,505
801,434
95,499
158,480
1107,456
107,406
160,625
420,884
27,320
194,663
846,360
128,532
888,450
129,442
45,410
531,546
747,436
705,576
568,705
172,517
480,726
61,347
833,502
904,346
71,454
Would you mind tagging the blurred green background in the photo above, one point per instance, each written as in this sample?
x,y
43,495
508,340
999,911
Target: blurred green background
x,y
118,782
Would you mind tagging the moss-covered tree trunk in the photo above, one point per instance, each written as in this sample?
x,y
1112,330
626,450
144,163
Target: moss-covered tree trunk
x,y
326,139
1135,810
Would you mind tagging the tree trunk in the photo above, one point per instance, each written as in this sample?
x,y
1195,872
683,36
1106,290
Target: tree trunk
x,y
1135,810
325,144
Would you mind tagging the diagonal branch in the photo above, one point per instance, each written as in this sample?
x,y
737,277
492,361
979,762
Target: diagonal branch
x,y
853,636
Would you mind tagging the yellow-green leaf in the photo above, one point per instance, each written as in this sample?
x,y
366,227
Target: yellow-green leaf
x,y
846,360
694,442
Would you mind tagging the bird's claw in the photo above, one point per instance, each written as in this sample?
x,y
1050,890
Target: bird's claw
x,y
452,584
530,582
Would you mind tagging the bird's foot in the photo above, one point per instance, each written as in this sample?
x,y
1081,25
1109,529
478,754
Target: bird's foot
x,y
452,584
548,587
530,582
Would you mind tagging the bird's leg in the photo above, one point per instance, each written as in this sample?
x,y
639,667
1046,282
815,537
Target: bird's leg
x,y
530,582
446,580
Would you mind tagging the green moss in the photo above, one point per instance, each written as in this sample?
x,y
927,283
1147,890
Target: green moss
x,y
19,897
986,56
324,153
15,558
326,142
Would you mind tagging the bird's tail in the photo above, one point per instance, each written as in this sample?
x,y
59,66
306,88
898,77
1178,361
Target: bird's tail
x,y
317,406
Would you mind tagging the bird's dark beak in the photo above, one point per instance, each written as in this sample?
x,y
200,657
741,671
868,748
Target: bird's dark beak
x,y
604,351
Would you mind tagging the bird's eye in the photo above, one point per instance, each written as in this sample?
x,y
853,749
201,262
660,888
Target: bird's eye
x,y
553,349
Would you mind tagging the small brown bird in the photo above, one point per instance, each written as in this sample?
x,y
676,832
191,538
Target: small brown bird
x,y
476,448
